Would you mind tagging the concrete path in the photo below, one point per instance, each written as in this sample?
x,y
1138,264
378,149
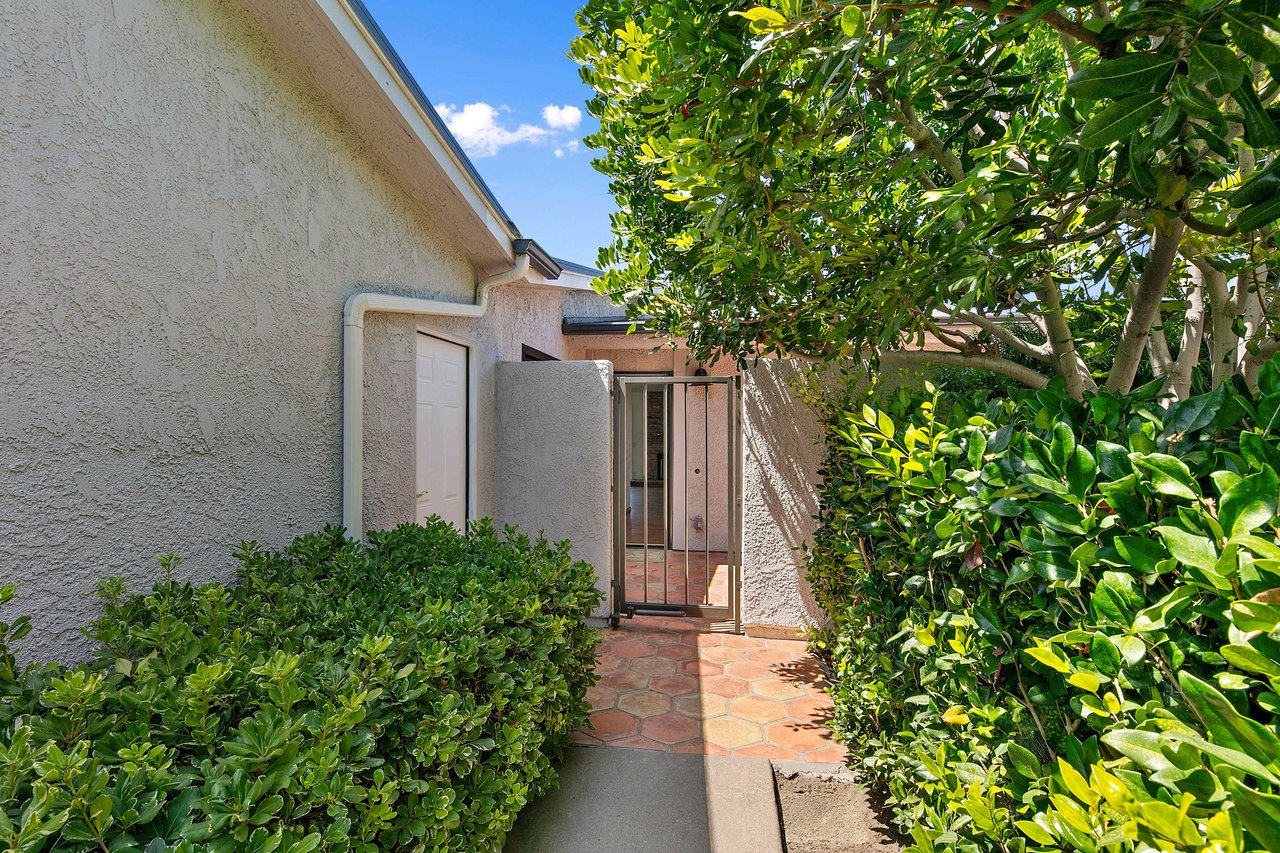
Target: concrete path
x,y
642,801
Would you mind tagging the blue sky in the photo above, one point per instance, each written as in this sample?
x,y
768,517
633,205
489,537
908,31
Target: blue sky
x,y
492,68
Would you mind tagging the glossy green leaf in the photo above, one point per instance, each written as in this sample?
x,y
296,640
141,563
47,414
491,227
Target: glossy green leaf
x,y
1216,67
1250,503
1124,75
1120,120
1258,35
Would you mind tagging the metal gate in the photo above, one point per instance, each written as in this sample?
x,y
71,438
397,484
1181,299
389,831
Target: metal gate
x,y
677,496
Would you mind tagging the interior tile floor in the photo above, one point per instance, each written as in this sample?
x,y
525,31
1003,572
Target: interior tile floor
x,y
677,577
672,684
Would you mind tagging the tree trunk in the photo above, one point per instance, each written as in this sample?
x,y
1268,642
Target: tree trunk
x,y
1145,306
1178,383
1222,339
1066,361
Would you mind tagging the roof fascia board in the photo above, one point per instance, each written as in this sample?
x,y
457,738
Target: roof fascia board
x,y
356,26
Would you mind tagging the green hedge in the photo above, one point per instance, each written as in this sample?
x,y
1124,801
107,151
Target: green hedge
x,y
1056,623
406,695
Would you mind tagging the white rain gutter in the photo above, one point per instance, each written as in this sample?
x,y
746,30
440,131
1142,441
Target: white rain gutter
x,y
353,372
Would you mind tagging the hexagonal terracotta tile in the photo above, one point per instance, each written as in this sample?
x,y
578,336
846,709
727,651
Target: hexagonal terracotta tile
x,y
720,654
729,732
772,655
607,725
702,705
757,710
797,736
834,754
749,669
700,747
777,689
624,681
638,743
645,703
701,667
655,665
724,685
663,638
673,684
670,728
767,750
607,663
601,697
704,641
632,649
678,652
816,708
583,739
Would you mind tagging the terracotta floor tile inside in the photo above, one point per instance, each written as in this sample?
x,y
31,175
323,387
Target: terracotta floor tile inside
x,y
727,695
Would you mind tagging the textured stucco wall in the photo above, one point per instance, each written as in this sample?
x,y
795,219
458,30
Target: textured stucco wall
x,y
518,314
588,303
184,218
555,455
783,452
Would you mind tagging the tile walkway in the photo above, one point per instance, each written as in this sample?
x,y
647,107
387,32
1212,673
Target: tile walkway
x,y
672,684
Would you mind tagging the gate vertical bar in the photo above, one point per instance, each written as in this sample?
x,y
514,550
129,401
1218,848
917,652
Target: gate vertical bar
x,y
665,471
706,494
684,476
732,456
644,482
621,494
728,516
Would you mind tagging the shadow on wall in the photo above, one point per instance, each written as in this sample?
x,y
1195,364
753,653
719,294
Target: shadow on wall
x,y
784,451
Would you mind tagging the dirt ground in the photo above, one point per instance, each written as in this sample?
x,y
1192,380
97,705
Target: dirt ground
x,y
829,813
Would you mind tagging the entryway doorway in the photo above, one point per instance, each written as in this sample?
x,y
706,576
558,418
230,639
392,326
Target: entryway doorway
x,y
677,496
441,430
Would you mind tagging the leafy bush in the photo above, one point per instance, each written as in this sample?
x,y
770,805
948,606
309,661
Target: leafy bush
x,y
405,695
1055,622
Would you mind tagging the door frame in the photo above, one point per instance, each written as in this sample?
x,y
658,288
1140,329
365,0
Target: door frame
x,y
622,482
469,346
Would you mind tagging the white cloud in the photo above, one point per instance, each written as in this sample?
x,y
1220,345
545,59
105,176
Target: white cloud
x,y
479,132
570,147
562,118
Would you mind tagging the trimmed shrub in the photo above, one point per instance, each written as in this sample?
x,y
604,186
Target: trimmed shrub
x,y
1056,623
406,695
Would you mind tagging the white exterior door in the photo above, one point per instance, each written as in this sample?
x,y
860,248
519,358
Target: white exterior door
x,y
441,450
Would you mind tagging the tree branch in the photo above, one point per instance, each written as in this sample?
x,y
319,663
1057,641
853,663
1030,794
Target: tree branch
x,y
1054,19
929,142
994,363
1003,335
1145,306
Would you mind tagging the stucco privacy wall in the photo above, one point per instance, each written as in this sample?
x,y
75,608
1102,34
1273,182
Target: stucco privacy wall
x,y
555,456
782,455
518,314
184,220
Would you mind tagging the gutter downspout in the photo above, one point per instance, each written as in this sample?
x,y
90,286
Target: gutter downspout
x,y
357,306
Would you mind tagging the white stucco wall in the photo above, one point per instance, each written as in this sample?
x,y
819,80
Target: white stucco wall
x,y
783,452
555,456
184,218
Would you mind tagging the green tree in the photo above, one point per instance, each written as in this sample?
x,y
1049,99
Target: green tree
x,y
835,179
